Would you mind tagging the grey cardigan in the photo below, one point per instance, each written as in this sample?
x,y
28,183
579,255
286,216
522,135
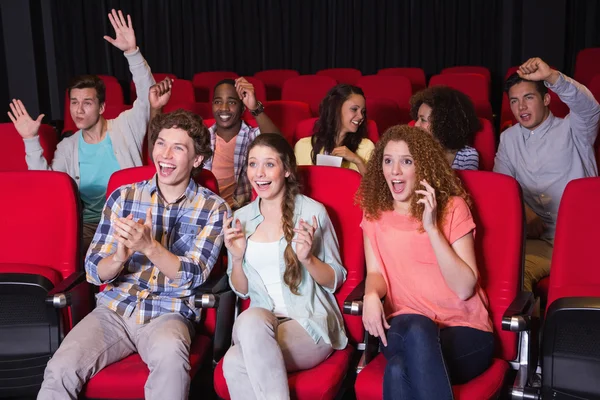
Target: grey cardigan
x,y
126,132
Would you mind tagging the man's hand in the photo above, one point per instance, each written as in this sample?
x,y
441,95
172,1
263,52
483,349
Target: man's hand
x,y
125,35
136,236
245,90
535,69
160,93
24,124
535,225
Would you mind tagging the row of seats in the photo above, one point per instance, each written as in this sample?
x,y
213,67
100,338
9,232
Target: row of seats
x,y
293,118
48,269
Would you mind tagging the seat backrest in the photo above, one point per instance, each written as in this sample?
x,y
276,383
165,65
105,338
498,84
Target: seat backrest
x,y
13,157
416,76
586,65
305,129
575,262
286,115
498,214
342,75
41,223
393,87
335,189
158,76
485,144
260,90
475,86
204,83
274,79
386,113
182,91
310,89
128,176
469,69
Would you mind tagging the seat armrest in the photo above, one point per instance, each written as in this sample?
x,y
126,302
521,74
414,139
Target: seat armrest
x,y
354,302
207,295
61,295
517,317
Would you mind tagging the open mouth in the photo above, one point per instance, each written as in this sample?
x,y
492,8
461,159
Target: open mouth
x,y
262,185
357,123
525,117
398,185
225,117
166,169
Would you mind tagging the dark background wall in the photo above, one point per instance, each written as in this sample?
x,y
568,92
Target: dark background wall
x,y
44,42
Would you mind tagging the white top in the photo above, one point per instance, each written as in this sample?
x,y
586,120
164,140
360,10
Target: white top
x,y
264,258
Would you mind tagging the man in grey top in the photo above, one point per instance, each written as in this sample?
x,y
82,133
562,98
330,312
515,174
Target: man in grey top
x,y
543,152
100,147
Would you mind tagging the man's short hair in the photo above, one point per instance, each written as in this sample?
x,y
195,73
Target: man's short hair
x,y
222,82
186,121
514,79
89,81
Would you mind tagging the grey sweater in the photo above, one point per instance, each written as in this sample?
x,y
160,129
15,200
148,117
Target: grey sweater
x,y
126,132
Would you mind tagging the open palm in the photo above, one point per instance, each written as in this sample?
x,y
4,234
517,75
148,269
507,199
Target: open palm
x,y
24,124
125,35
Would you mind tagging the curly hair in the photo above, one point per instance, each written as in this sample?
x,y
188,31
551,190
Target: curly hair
x,y
293,269
329,123
189,122
453,119
374,195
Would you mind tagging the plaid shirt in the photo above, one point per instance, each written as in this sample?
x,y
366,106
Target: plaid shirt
x,y
243,190
190,228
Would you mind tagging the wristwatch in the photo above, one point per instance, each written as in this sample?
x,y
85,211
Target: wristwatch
x,y
258,110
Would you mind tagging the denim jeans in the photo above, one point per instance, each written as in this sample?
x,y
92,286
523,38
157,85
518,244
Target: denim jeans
x,y
423,361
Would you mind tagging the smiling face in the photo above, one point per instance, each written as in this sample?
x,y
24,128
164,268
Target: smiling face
x,y
227,107
174,158
352,113
85,107
424,118
266,172
527,104
400,174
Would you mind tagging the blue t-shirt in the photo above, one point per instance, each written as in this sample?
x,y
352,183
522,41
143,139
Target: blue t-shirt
x,y
97,162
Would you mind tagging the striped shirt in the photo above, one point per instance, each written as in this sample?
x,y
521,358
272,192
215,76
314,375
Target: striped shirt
x,y
190,228
243,189
466,158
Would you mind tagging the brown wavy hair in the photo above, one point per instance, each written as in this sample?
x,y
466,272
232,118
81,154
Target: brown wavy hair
x,y
293,269
374,194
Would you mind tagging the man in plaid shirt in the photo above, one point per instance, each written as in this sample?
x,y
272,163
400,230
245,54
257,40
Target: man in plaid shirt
x,y
157,241
230,137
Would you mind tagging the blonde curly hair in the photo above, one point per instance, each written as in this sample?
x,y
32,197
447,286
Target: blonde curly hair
x,y
430,162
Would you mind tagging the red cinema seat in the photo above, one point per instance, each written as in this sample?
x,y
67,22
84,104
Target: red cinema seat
x,y
396,88
416,76
385,113
469,69
309,89
475,86
342,75
157,78
586,65
286,115
204,83
274,80
39,263
13,158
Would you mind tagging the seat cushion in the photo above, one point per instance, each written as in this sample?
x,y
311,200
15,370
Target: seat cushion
x,y
321,382
369,382
125,379
14,268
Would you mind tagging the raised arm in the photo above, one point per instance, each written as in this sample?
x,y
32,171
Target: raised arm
x,y
584,109
245,91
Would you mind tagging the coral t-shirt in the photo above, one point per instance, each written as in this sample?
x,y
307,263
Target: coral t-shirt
x,y
415,284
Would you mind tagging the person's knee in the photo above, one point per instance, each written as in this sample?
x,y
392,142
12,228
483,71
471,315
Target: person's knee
x,y
254,321
65,365
418,329
172,352
232,364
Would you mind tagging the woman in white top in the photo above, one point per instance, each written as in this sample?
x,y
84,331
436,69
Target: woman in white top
x,y
282,253
341,130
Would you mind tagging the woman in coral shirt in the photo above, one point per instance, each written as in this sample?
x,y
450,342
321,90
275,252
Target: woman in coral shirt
x,y
418,233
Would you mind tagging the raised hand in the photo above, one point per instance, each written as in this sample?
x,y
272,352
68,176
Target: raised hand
x,y
235,240
160,93
245,90
123,253
125,35
535,69
430,203
136,236
304,239
373,317
24,124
